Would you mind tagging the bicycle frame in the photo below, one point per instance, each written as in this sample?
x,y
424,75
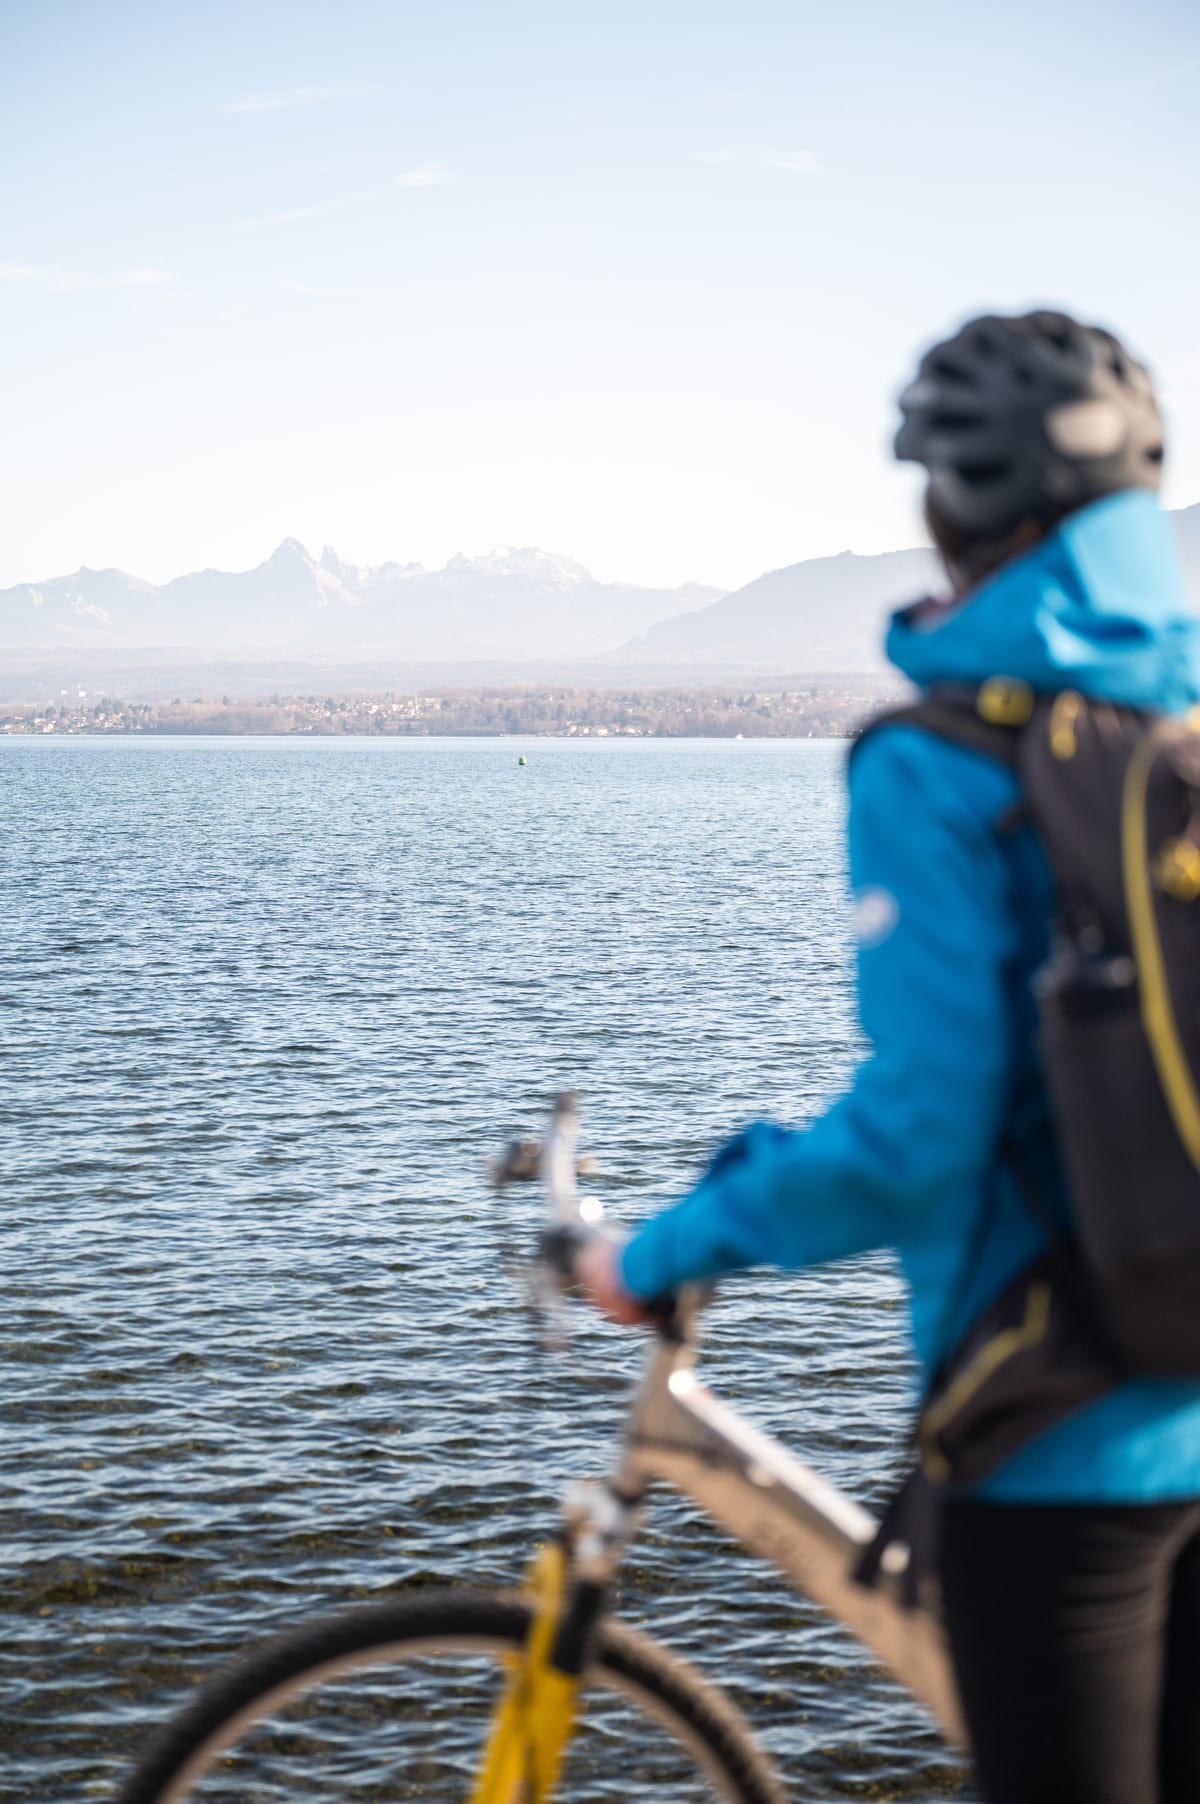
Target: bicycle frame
x,y
779,1508
786,1514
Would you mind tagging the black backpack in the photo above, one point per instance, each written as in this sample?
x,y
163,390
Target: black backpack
x,y
1114,795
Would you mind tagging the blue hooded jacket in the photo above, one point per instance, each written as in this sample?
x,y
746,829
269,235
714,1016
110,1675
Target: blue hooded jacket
x,y
953,920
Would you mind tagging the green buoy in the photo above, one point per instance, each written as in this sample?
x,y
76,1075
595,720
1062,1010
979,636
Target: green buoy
x,y
521,759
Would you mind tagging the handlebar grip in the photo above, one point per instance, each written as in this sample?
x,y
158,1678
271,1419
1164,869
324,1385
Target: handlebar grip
x,y
559,1247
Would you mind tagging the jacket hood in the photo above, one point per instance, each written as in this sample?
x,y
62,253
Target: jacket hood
x,y
1099,606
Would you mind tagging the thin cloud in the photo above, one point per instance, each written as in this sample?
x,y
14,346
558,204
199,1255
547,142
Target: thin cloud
x,y
791,162
425,175
285,99
78,281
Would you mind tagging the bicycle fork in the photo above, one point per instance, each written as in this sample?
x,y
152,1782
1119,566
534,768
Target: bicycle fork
x,y
568,1584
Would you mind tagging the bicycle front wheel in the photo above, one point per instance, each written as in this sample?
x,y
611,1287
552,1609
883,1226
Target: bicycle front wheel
x,y
394,1701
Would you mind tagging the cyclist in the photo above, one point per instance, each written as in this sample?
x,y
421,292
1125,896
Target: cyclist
x,y
1070,1576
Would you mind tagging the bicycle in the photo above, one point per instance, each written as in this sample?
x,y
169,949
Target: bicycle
x,y
533,1688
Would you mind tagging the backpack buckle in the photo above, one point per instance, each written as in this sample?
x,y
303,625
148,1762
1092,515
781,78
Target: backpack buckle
x,y
1004,701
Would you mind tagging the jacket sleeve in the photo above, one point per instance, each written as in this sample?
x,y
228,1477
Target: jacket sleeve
x,y
937,945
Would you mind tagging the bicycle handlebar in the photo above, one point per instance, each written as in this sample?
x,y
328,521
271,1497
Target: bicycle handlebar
x,y
553,1161
557,1163
574,1221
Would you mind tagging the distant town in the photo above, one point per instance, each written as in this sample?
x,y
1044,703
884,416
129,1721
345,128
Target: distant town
x,y
820,712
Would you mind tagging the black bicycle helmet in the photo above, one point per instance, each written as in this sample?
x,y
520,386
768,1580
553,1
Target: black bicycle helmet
x,y
1029,417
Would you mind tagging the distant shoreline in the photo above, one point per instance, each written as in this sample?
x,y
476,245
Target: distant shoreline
x,y
553,712
167,733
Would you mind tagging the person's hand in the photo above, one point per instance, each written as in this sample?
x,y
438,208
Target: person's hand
x,y
598,1269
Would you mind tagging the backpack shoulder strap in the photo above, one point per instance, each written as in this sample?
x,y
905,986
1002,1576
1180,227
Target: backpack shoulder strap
x,y
986,718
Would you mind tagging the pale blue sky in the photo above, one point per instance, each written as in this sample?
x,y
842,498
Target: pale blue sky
x,y
634,282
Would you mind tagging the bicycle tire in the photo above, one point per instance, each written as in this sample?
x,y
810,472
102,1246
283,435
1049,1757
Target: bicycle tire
x,y
429,1626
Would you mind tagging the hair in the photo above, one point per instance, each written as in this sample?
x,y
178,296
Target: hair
x,y
970,559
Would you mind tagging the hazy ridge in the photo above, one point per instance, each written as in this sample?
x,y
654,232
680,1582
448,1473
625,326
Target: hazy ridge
x,y
825,613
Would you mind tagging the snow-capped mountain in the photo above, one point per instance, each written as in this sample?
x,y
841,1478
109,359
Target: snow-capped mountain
x,y
541,567
513,602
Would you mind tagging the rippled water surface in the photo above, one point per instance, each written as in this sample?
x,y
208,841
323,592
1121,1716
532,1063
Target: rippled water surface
x,y
265,1006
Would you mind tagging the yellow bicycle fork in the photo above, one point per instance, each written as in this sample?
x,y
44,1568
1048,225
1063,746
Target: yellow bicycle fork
x,y
534,1717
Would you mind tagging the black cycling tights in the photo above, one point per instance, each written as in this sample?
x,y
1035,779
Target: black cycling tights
x,y
1076,1636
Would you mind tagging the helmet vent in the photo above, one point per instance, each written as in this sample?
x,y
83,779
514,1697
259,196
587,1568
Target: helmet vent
x,y
955,419
980,475
946,371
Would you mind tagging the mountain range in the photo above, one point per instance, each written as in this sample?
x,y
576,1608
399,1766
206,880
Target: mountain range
x,y
509,604
513,606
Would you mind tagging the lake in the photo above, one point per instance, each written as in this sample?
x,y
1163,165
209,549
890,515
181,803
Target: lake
x,y
265,1007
